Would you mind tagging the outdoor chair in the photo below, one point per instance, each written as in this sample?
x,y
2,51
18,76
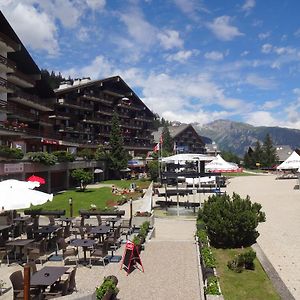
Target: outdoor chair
x,y
51,220
17,281
100,251
72,283
99,219
4,253
29,232
126,228
36,251
67,231
67,250
114,239
57,290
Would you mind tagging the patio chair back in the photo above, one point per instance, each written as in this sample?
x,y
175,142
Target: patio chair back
x,y
51,220
99,219
67,231
62,244
29,232
17,280
72,282
59,233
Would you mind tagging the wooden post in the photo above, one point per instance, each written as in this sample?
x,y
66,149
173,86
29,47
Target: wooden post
x,y
26,282
130,212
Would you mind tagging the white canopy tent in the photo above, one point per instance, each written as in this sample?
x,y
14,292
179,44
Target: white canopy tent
x,y
182,158
219,164
291,163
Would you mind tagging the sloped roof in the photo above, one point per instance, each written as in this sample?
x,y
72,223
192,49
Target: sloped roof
x,y
283,152
174,131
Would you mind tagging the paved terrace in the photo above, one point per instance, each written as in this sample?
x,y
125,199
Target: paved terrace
x,y
169,260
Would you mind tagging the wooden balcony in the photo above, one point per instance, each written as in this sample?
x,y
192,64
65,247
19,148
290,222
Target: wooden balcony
x,y
93,120
74,104
21,79
5,86
7,65
14,111
29,100
97,99
7,44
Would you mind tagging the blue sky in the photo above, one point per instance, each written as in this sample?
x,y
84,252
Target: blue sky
x,y
188,60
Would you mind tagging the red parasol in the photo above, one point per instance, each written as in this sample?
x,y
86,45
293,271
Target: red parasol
x,y
36,179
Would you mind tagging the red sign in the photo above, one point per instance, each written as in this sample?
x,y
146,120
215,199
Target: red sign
x,y
51,142
131,257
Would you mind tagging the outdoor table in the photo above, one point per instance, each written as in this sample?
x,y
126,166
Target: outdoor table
x,y
65,219
112,220
100,230
47,276
47,229
21,243
84,243
4,227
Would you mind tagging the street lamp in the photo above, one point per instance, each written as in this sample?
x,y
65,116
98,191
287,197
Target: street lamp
x,y
71,206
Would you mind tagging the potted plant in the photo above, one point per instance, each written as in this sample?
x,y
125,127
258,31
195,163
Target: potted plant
x,y
108,289
137,242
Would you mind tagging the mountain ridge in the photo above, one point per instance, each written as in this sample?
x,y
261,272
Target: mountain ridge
x,y
238,136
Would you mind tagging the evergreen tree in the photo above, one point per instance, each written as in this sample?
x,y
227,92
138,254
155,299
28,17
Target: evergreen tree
x,y
168,144
231,157
269,158
118,156
258,154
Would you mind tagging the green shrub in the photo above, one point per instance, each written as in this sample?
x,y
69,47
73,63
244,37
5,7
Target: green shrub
x,y
202,236
86,153
212,287
241,261
231,221
143,232
63,156
107,286
101,154
208,257
136,240
13,153
45,158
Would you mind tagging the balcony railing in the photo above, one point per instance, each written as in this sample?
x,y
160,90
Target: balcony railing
x,y
128,106
20,113
21,79
20,95
97,99
94,120
74,104
105,112
143,119
10,65
5,39
5,86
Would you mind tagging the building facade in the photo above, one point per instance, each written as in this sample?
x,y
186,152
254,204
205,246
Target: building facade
x,y
185,138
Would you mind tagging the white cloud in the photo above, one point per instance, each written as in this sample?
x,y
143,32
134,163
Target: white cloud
x,y
170,39
191,7
223,30
180,56
266,48
261,118
245,53
83,34
24,18
297,33
248,5
96,4
214,55
138,28
264,35
260,82
271,104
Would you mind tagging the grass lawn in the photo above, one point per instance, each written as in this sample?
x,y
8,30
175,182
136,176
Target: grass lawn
x,y
101,197
248,285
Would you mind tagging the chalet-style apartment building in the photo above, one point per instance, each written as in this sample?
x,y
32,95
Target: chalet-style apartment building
x,y
185,138
77,115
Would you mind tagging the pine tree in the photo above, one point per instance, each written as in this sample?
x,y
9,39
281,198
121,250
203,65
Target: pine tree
x,y
269,158
167,145
118,156
258,154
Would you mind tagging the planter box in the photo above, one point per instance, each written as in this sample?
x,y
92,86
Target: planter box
x,y
214,297
138,221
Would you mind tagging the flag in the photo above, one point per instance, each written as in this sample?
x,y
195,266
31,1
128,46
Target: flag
x,y
156,148
161,140
174,148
